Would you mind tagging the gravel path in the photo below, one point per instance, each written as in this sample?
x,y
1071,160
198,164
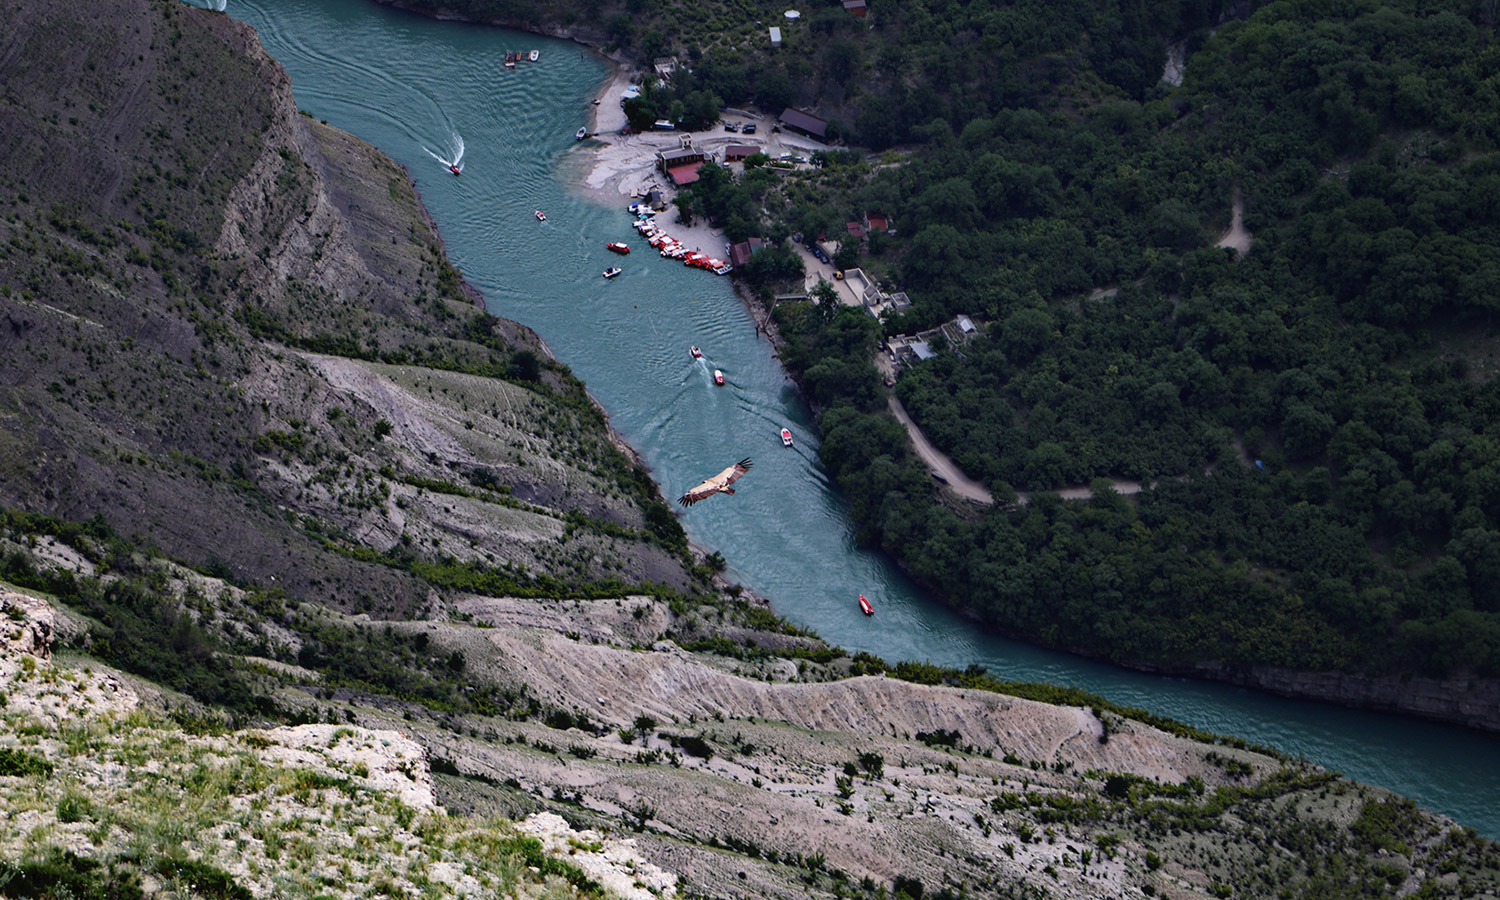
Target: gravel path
x,y
940,464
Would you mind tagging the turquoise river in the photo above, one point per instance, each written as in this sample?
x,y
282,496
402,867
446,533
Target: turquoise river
x,y
405,83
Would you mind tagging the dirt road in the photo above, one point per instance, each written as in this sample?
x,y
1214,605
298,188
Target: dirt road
x,y
940,464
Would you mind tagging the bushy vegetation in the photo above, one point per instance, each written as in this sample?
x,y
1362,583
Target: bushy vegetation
x,y
1320,414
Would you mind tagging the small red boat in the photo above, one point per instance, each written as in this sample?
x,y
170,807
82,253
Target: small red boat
x,y
865,607
786,437
618,247
540,216
697,354
456,169
718,377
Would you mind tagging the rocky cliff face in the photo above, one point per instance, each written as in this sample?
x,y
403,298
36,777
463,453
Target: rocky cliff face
x,y
1471,702
231,331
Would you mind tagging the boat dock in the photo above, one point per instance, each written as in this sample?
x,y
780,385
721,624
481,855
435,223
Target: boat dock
x,y
671,248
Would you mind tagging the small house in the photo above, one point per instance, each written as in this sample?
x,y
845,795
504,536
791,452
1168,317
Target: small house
x,y
740,253
682,156
680,165
738,152
775,37
859,8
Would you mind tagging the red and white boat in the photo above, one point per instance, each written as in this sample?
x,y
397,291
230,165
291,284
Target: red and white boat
x,y
697,354
786,437
456,169
718,377
618,247
865,607
540,216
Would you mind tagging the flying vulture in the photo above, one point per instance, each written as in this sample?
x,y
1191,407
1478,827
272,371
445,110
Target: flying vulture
x,y
719,484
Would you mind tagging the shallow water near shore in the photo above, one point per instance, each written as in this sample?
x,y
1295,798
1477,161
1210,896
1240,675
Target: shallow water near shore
x,y
405,83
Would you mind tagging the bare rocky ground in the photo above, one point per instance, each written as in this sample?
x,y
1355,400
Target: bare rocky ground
x,y
748,777
335,811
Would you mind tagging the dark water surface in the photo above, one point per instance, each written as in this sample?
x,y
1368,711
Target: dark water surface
x,y
405,83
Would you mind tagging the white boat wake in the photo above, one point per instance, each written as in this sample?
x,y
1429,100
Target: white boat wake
x,y
457,162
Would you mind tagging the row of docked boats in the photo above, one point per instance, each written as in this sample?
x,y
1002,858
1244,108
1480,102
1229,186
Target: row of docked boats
x,y
671,248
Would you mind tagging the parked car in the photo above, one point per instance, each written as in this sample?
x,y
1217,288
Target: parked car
x,y
731,126
820,254
749,128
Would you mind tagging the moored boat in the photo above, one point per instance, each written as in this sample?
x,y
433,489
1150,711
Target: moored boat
x,y
718,377
865,607
580,134
534,55
611,272
786,437
618,247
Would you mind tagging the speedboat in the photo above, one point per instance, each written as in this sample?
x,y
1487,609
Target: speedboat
x,y
718,377
580,134
865,607
534,55
540,216
786,437
618,247
697,354
611,272
456,169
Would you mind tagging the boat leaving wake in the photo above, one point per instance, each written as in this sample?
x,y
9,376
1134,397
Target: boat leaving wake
x,y
456,164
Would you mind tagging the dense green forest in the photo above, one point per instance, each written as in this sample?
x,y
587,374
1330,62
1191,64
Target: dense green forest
x,y
1350,354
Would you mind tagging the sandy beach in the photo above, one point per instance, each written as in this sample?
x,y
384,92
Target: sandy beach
x,y
618,168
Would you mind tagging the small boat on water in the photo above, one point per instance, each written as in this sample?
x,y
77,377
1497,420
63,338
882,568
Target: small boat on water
x,y
865,607
718,377
786,437
534,55
697,354
618,247
456,169
611,272
580,134
540,216
510,59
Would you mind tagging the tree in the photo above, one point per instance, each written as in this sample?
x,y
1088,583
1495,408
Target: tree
x,y
775,92
827,298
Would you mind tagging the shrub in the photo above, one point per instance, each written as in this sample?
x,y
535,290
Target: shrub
x,y
694,745
20,763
